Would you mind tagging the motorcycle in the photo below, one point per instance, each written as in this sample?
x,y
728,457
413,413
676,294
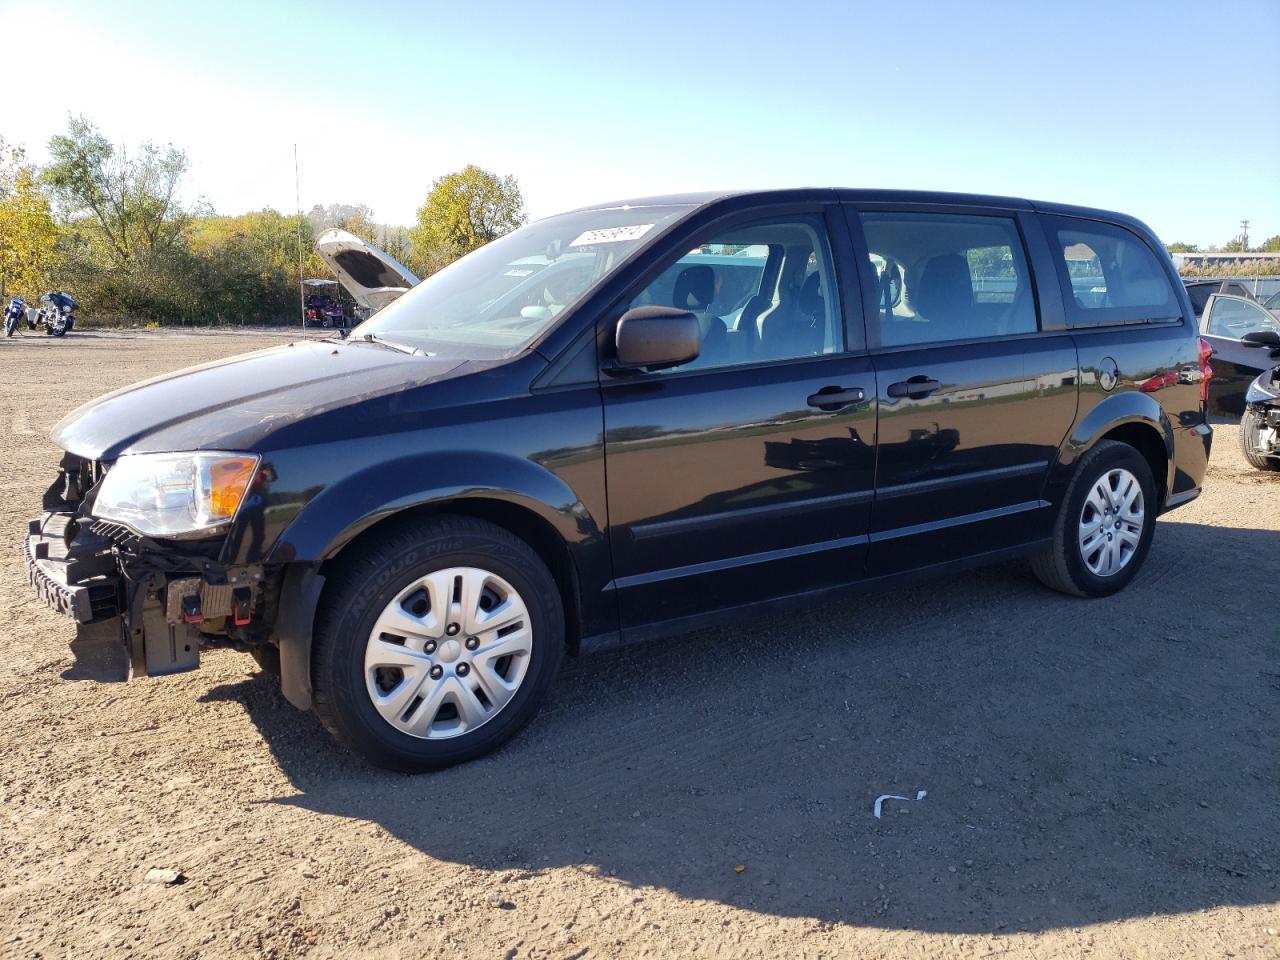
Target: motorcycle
x,y
57,316
15,311
1260,425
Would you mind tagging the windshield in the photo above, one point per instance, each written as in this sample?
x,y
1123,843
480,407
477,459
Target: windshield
x,y
502,296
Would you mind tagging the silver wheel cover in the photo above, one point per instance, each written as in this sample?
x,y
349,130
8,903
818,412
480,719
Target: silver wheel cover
x,y
1111,522
448,653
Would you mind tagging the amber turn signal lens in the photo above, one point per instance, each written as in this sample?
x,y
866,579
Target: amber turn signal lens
x,y
228,480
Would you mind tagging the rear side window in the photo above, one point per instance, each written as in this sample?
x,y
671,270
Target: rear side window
x,y
1108,274
941,276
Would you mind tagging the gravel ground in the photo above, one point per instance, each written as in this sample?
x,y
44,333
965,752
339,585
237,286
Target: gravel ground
x,y
1102,777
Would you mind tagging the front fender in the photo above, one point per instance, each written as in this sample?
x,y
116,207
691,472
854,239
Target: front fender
x,y
353,504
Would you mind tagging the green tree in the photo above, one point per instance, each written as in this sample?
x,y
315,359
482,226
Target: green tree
x,y
1270,245
1182,248
245,268
355,218
397,241
28,233
132,199
464,211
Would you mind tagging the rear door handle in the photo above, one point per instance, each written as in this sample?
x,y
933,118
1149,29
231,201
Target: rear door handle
x,y
833,398
914,388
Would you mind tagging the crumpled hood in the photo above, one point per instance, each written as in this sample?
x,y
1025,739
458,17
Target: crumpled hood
x,y
233,404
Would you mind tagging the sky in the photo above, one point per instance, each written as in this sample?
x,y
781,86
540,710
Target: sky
x,y
1150,107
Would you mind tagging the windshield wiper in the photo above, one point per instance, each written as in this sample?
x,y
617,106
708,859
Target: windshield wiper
x,y
382,342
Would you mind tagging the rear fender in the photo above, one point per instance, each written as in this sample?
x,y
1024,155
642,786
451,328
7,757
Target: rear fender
x,y
1110,412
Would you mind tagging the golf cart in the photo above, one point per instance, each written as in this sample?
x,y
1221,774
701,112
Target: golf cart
x,y
321,306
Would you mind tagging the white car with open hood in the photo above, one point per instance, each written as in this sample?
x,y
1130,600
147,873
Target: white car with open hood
x,y
373,277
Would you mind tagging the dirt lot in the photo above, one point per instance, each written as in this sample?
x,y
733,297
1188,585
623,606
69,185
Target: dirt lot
x,y
1103,778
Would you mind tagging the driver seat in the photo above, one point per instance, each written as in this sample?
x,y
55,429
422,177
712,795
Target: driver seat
x,y
694,289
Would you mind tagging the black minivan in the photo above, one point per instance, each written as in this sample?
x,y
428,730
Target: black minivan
x,y
618,422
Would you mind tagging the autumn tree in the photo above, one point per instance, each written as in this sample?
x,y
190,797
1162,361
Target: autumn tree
x,y
464,211
132,199
27,230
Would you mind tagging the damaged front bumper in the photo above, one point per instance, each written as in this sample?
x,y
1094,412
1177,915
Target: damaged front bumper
x,y
82,583
167,604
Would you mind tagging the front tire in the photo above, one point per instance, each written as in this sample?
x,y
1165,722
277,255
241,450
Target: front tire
x,y
435,643
1250,426
267,657
1103,532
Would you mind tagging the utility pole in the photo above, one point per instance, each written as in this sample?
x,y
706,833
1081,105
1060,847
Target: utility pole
x,y
297,199
1244,235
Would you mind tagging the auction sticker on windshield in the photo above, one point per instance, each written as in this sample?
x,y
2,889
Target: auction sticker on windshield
x,y
612,235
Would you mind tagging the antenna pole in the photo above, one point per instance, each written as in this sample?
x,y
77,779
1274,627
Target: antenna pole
x,y
297,199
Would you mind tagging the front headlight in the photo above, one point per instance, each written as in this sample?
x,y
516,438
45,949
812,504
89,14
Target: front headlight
x,y
175,494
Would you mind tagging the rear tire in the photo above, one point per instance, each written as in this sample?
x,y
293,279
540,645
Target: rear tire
x,y
1250,424
366,594
1077,562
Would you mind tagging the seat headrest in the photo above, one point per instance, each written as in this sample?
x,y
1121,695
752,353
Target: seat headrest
x,y
695,288
945,289
810,298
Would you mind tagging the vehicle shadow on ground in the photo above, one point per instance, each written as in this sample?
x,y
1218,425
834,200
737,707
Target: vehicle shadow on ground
x,y
1083,761
99,654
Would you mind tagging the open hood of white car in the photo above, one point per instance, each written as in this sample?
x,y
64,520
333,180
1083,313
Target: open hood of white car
x,y
372,277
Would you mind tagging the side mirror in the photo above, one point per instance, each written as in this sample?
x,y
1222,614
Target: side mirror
x,y
1261,338
655,337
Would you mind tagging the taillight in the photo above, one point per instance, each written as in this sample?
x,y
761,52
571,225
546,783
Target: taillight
x,y
1206,371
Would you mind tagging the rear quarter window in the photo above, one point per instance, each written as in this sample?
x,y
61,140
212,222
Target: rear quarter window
x,y
1109,275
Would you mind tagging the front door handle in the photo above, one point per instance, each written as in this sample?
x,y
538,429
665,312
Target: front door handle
x,y
833,398
914,388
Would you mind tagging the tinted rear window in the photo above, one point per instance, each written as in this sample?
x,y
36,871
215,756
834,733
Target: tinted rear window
x,y
1108,274
1200,294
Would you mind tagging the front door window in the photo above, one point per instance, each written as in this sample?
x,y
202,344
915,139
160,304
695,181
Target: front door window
x,y
761,292
1232,318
